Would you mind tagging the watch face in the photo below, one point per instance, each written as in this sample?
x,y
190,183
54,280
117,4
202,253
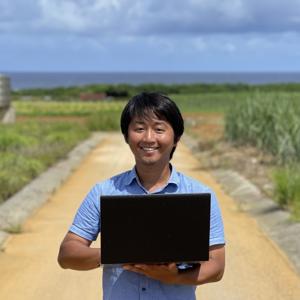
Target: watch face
x,y
186,266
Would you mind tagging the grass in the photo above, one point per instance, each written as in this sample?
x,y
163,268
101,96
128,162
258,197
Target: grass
x,y
271,122
287,188
267,120
104,121
28,148
209,103
71,108
14,229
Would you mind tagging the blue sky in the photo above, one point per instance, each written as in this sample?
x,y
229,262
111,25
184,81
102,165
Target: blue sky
x,y
149,35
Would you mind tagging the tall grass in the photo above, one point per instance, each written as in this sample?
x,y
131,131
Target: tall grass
x,y
268,121
272,123
287,188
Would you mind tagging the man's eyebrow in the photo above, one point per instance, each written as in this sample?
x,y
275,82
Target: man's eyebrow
x,y
158,122
139,122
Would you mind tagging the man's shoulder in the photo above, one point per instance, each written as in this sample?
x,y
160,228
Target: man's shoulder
x,y
194,185
112,183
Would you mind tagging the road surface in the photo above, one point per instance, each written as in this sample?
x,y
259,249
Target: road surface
x,y
255,267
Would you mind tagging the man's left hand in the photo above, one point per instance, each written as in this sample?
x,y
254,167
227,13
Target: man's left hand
x,y
166,273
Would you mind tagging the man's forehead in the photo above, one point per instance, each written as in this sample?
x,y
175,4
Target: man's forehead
x,y
148,119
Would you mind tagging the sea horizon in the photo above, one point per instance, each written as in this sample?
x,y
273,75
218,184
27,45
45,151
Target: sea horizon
x,y
50,79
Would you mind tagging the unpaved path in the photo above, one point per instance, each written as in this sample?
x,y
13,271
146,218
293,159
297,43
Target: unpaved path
x,y
256,268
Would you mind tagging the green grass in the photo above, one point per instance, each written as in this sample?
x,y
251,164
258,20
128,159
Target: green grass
x,y
104,121
287,188
271,122
267,120
28,148
210,102
71,108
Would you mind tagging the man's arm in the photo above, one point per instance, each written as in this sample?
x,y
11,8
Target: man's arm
x,y
75,253
209,271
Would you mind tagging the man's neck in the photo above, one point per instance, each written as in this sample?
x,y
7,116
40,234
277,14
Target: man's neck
x,y
153,177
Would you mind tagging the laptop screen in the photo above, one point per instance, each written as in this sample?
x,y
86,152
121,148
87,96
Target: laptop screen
x,y
156,228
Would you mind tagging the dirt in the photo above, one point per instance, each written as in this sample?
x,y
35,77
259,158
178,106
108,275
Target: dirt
x,y
214,152
255,267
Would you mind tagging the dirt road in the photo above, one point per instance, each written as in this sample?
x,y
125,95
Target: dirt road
x,y
256,268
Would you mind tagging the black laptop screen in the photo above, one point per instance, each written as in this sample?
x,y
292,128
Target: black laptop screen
x,y
155,228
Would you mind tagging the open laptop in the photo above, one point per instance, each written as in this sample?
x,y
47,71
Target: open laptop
x,y
156,228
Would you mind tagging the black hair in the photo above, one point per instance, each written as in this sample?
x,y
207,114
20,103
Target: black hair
x,y
145,104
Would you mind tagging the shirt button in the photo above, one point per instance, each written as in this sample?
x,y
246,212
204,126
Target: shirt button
x,y
143,289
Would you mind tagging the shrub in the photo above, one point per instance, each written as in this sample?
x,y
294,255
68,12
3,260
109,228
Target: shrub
x,y
268,121
105,121
287,188
28,148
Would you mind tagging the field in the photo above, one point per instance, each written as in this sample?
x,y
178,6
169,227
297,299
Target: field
x,y
242,118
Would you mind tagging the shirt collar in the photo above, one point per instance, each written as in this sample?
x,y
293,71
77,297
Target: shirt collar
x,y
174,177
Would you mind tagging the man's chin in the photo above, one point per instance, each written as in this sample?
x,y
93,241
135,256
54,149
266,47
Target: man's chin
x,y
149,162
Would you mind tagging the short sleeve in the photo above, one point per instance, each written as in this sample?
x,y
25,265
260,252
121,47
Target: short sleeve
x,y
86,223
216,223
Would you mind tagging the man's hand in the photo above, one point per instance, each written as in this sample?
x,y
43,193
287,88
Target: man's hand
x,y
166,273
207,271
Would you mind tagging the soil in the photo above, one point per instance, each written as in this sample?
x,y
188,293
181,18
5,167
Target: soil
x,y
214,152
255,267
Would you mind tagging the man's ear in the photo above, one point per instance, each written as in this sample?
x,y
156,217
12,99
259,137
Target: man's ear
x,y
176,140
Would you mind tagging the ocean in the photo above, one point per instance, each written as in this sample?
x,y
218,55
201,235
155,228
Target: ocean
x,y
25,80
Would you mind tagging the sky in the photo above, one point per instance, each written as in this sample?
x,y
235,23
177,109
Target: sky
x,y
150,35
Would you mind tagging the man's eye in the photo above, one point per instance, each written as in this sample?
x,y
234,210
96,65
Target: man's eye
x,y
139,129
160,130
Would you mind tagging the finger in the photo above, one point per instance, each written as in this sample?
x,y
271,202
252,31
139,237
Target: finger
x,y
142,267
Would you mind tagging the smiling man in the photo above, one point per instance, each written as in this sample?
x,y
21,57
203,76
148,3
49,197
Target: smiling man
x,y
152,125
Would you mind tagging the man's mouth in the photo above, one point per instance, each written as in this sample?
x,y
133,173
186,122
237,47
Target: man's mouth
x,y
149,149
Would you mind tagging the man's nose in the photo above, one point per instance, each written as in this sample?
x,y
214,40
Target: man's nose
x,y
149,135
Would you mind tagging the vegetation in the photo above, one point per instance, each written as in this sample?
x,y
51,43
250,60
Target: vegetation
x,y
287,188
268,121
58,108
266,116
210,102
104,121
121,91
271,122
27,149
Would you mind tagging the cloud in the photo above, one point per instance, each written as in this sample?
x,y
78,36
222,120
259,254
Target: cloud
x,y
149,17
153,34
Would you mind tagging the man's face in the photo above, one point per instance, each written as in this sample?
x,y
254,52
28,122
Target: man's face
x,y
151,140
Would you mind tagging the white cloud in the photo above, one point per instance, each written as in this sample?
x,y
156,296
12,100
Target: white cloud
x,y
149,17
80,15
162,34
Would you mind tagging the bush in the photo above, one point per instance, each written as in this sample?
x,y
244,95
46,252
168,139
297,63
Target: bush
x,y
28,148
104,121
287,188
268,121
15,172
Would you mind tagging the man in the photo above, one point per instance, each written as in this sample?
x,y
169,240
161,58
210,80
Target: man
x,y
152,126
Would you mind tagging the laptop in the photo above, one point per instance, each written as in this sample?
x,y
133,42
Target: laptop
x,y
155,228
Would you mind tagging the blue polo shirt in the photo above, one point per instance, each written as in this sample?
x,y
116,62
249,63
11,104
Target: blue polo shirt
x,y
119,284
